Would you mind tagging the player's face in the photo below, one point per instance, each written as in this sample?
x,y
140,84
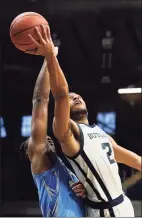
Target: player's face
x,y
76,102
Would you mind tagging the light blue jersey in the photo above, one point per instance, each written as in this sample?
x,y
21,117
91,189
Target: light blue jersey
x,y
55,195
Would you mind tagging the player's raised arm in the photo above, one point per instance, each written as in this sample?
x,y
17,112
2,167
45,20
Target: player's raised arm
x,y
59,86
40,111
125,156
60,93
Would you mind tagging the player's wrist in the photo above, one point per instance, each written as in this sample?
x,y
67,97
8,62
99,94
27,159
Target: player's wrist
x,y
50,56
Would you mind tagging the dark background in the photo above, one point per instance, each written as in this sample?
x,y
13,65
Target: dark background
x,y
80,26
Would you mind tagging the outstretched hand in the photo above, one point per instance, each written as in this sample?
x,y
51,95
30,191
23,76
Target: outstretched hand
x,y
43,42
79,189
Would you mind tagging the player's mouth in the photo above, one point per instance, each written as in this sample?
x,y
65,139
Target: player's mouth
x,y
77,102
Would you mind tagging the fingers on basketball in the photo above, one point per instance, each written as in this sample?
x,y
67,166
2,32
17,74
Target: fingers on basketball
x,y
35,42
48,32
44,33
38,34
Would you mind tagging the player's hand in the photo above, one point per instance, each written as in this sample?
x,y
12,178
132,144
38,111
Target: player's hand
x,y
43,42
79,189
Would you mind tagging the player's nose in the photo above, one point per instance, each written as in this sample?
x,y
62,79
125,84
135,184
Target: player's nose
x,y
76,98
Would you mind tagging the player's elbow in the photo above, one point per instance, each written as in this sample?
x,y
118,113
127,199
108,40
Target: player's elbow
x,y
60,132
138,163
44,99
35,133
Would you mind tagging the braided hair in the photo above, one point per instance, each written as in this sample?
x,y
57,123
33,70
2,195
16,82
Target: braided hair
x,y
50,152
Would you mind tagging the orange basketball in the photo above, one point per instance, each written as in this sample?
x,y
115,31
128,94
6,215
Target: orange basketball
x,y
23,25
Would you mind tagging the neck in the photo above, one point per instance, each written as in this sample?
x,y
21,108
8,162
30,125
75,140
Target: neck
x,y
85,121
82,120
80,116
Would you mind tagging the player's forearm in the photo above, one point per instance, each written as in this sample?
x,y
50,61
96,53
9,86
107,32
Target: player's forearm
x,y
139,163
135,162
58,83
125,156
42,86
128,158
131,159
40,109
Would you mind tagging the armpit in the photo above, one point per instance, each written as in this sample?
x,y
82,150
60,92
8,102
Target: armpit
x,y
66,135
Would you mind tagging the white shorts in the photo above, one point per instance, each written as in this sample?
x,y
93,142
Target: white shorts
x,y
125,209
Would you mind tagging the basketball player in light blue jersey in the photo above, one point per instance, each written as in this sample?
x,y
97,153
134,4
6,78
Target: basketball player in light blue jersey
x,y
92,153
51,176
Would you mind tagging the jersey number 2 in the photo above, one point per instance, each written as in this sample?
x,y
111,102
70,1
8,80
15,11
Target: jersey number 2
x,y
109,153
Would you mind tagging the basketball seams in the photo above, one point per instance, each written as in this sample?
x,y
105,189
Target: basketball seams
x,y
26,29
25,16
24,44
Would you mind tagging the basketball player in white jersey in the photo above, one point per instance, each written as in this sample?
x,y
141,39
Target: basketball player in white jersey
x,y
92,153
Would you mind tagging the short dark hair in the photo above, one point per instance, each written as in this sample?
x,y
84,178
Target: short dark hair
x,y
51,151
24,149
51,144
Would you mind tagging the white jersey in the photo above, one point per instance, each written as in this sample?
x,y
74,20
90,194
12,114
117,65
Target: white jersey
x,y
96,168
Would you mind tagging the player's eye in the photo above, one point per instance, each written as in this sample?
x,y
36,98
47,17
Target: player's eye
x,y
79,97
70,97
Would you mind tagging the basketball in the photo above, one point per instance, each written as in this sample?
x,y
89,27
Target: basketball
x,y
23,25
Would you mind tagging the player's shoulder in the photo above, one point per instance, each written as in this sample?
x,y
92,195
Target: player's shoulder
x,y
87,126
73,125
60,166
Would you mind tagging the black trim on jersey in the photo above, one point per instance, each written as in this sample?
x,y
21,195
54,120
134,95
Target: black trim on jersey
x,y
105,205
91,126
81,142
111,212
102,213
95,173
98,178
89,181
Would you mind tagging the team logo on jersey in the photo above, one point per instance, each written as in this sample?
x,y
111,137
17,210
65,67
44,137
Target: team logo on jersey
x,y
96,135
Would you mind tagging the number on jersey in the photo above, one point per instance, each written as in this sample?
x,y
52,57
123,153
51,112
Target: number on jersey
x,y
109,153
